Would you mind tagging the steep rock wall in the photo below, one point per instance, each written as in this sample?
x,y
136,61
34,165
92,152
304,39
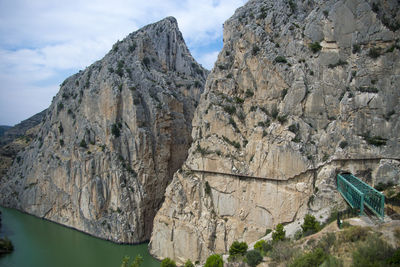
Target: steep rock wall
x,y
112,138
301,91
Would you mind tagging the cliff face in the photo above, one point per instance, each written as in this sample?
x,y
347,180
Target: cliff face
x,y
112,138
301,91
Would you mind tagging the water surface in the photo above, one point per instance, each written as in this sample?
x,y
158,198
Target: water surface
x,y
40,243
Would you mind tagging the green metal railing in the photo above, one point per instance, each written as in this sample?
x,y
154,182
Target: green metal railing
x,y
360,195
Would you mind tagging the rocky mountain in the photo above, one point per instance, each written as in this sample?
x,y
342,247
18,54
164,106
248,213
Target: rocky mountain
x,y
21,128
3,129
112,138
16,138
301,90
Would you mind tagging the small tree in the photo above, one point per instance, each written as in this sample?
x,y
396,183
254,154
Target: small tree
x,y
115,130
238,248
214,260
263,246
279,233
189,263
167,262
310,225
83,143
136,262
253,257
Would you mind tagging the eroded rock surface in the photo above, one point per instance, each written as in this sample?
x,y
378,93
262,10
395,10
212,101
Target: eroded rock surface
x,y
112,138
301,90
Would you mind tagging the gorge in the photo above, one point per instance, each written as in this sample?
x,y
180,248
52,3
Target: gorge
x,y
146,144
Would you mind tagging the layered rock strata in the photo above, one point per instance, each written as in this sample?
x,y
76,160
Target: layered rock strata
x,y
301,90
112,138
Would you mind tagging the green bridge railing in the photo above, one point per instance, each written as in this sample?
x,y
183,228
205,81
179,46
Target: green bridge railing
x,y
360,195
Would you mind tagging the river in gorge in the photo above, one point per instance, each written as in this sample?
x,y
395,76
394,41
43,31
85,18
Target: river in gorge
x,y
40,243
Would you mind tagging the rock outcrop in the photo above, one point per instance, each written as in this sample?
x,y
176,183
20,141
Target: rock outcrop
x,y
20,129
301,90
112,138
3,129
16,138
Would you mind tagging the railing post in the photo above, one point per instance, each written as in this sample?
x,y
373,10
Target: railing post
x,y
362,204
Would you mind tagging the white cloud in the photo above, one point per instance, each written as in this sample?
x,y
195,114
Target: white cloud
x,y
41,40
209,59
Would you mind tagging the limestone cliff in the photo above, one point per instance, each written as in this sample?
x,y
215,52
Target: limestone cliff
x,y
112,138
301,91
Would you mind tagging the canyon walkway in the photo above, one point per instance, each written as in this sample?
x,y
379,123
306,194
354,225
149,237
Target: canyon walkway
x,y
360,195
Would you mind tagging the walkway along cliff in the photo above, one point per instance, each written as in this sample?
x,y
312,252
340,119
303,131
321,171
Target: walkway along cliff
x,y
301,91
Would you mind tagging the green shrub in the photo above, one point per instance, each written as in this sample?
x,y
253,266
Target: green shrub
x,y
249,93
282,251
395,259
332,261
6,246
255,50
294,128
368,89
232,143
189,263
313,258
327,241
135,263
83,143
146,61
315,47
282,119
263,246
298,235
374,52
279,233
60,106
354,234
207,188
375,140
115,130
283,93
132,47
310,225
339,63
356,48
343,144
373,252
230,110
268,231
253,257
280,59
214,260
274,112
167,262
238,248
239,100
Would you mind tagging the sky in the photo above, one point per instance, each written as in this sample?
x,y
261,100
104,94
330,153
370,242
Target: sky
x,y
42,42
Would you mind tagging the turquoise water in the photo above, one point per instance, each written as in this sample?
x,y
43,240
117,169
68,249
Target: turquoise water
x,y
40,243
